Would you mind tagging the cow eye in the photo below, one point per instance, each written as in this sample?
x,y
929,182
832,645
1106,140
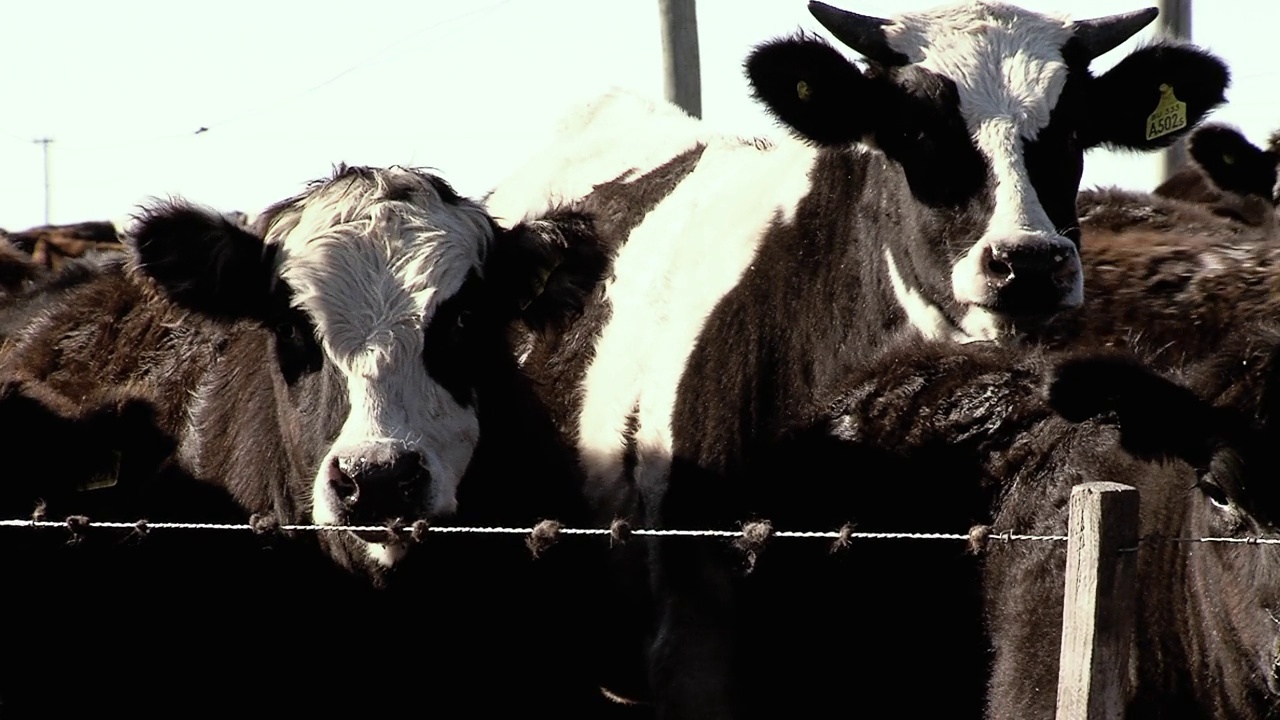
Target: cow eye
x,y
1213,491
297,350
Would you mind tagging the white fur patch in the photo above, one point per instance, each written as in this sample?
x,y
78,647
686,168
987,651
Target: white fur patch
x,y
668,277
978,324
370,272
604,139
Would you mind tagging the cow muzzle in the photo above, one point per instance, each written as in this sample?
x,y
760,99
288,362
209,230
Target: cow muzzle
x,y
378,486
1033,275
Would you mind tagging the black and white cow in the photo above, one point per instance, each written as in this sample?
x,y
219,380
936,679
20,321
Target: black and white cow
x,y
343,363
935,438
933,190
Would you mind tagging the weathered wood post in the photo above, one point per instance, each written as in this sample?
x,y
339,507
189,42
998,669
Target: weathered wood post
x,y
1098,607
681,68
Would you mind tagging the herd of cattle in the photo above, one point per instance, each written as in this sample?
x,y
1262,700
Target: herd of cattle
x,y
902,314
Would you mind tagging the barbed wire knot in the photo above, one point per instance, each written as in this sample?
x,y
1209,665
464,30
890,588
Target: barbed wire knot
x,y
543,536
619,532
264,523
979,536
140,529
752,540
844,540
76,525
41,513
418,531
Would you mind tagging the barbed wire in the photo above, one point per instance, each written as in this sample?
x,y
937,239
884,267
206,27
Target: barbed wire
x,y
750,540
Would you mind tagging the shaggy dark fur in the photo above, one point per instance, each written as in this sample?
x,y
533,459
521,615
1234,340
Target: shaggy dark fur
x,y
1164,276
232,623
989,435
52,246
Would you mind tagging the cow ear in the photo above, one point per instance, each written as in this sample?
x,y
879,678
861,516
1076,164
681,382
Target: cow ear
x,y
1232,162
208,264
812,88
1157,418
544,270
1153,96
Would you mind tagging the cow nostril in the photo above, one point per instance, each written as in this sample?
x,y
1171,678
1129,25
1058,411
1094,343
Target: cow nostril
x,y
998,269
341,482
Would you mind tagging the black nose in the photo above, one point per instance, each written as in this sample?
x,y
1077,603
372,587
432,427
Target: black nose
x,y
377,489
1031,277
1005,263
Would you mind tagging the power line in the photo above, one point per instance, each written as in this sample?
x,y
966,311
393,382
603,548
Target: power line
x,y
363,63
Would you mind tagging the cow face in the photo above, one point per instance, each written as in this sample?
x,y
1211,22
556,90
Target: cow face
x,y
987,110
1230,492
366,281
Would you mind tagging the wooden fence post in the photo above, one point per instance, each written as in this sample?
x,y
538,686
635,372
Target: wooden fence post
x,y
1098,607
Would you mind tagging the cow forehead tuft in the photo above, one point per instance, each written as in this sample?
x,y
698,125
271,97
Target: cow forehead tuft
x,y
1005,61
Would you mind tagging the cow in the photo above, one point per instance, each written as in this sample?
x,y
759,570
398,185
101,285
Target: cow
x,y
930,437
1228,173
933,191
1168,275
343,363
50,246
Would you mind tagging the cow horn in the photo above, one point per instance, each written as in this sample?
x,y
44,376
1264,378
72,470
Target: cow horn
x,y
1100,35
860,32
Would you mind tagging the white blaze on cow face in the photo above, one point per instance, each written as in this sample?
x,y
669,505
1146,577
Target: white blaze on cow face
x,y
1009,73
370,260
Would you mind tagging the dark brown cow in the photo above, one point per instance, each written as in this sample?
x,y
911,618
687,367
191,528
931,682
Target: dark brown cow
x,y
50,246
936,438
1228,174
1168,275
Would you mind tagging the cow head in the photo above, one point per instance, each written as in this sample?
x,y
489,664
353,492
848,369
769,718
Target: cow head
x,y
367,281
1223,420
987,110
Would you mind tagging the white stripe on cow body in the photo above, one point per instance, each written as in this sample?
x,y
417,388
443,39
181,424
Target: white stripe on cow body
x,y
677,265
1008,70
978,324
370,274
605,139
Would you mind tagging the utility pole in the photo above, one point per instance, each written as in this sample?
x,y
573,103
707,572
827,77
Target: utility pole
x,y
1175,21
45,142
680,63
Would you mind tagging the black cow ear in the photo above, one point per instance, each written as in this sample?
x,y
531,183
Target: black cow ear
x,y
1232,162
544,270
1157,417
812,88
1153,96
208,264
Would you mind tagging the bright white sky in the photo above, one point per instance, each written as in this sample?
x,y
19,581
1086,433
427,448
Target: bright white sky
x,y
288,89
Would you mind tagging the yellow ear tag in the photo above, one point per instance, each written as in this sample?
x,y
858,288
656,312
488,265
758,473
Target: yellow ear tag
x,y
802,91
102,480
1170,115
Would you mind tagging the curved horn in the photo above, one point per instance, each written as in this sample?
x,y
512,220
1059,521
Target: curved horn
x,y
860,32
1103,34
